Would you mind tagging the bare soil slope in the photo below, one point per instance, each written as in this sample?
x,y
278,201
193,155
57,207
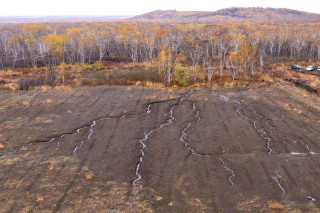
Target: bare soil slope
x,y
135,149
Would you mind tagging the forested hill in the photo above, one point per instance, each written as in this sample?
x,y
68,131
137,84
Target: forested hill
x,y
229,14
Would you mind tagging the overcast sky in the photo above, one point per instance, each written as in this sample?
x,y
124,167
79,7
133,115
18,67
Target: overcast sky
x,y
136,7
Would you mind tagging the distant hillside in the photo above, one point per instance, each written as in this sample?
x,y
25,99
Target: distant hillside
x,y
52,19
229,14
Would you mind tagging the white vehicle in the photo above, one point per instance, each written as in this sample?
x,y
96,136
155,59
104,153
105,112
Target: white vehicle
x,y
318,69
296,67
310,68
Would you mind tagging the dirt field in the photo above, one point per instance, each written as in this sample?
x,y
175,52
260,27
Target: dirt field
x,y
138,149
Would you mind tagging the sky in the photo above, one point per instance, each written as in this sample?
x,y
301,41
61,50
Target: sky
x,y
137,7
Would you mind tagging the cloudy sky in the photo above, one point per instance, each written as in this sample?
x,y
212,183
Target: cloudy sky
x,y
135,7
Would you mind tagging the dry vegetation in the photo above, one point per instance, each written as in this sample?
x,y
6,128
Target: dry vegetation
x,y
70,145
110,73
171,54
307,80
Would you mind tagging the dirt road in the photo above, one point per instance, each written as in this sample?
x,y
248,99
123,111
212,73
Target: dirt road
x,y
137,149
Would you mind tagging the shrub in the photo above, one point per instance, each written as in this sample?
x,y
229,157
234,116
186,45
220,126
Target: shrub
x,y
64,76
276,206
86,67
63,73
133,76
29,83
183,83
97,66
181,75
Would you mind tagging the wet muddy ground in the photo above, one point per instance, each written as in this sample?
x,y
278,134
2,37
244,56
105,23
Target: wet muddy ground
x,y
138,149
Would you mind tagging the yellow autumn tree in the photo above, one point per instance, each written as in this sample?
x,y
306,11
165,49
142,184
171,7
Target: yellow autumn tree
x,y
164,65
56,44
234,59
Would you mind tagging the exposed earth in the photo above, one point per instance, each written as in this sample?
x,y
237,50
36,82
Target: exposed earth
x,y
140,149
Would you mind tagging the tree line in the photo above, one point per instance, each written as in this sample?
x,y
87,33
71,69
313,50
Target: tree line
x,y
235,49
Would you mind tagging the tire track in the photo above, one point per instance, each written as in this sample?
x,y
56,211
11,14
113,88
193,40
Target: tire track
x,y
60,137
35,205
23,110
213,191
103,156
302,125
61,200
28,176
31,118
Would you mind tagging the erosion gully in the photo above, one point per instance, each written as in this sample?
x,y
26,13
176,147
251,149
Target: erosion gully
x,y
261,131
263,134
183,137
57,138
143,142
147,134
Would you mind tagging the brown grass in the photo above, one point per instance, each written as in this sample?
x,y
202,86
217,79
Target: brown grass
x,y
90,176
312,79
276,206
51,168
124,73
40,198
158,198
150,84
48,101
24,148
26,103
